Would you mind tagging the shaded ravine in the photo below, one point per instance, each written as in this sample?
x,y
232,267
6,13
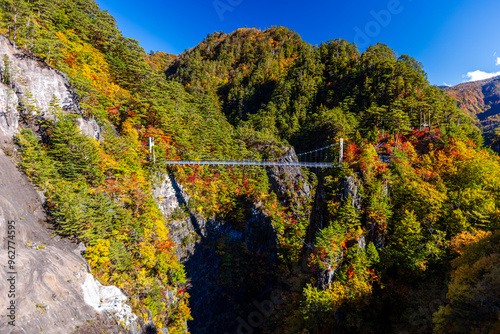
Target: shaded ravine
x,y
230,265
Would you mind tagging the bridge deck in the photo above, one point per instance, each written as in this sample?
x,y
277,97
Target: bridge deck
x,y
250,163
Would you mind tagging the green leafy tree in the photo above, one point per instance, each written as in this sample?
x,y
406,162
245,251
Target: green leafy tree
x,y
75,154
14,16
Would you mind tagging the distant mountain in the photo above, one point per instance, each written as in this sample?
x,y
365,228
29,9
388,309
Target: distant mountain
x,y
479,98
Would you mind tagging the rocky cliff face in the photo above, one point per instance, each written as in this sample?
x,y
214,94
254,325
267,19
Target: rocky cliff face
x,y
8,112
51,284
54,291
28,81
289,183
228,264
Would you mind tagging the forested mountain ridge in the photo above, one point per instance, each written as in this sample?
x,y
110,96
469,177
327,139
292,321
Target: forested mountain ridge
x,y
273,80
481,99
367,247
477,97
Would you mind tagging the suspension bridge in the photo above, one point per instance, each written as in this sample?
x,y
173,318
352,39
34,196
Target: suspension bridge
x,y
313,159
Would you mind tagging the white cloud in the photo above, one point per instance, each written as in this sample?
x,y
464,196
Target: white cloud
x,y
480,75
445,84
498,61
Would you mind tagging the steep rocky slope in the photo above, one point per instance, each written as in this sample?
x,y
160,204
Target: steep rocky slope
x,y
50,272
222,259
30,87
54,291
231,265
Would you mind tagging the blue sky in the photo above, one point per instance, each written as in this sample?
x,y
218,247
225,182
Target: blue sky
x,y
456,41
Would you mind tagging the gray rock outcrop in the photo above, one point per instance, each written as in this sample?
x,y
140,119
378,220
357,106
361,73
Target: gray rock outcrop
x,y
23,75
289,183
50,294
50,275
214,306
9,115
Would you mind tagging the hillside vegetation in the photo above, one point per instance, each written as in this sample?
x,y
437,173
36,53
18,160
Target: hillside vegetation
x,y
391,233
481,100
477,97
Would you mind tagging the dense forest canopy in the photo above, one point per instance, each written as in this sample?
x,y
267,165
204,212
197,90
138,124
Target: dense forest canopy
x,y
406,226
273,80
